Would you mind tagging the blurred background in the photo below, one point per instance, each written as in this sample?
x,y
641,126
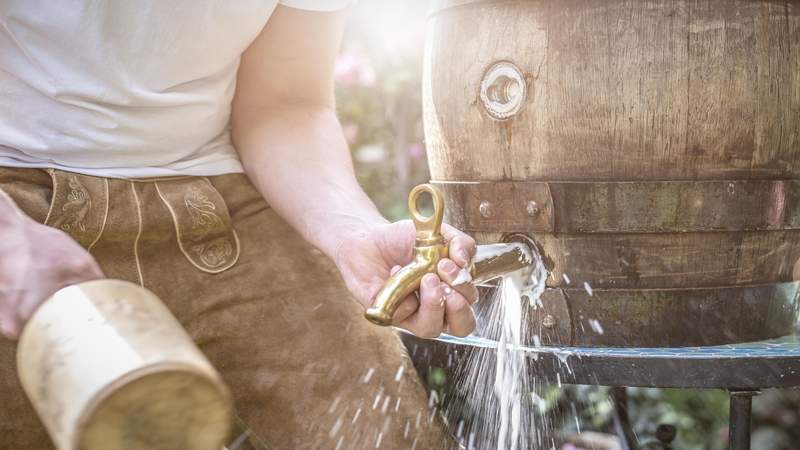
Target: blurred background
x,y
378,78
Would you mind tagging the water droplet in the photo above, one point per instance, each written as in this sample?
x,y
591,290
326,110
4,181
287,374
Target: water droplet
x,y
399,375
334,404
432,415
368,375
377,400
335,428
433,399
595,324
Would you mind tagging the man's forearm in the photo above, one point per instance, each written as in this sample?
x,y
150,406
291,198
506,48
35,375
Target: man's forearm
x,y
298,159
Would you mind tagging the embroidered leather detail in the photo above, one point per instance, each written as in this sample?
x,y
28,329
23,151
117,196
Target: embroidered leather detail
x,y
205,221
79,206
215,253
202,222
201,209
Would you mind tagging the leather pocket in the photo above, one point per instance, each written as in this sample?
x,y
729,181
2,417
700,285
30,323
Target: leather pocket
x,y
79,206
202,222
30,189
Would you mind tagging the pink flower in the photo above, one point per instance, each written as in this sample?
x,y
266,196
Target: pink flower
x,y
415,151
345,69
352,69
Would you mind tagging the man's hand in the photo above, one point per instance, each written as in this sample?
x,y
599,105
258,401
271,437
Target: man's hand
x,y
368,259
35,262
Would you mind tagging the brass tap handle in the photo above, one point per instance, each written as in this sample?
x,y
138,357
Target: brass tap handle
x,y
428,228
429,248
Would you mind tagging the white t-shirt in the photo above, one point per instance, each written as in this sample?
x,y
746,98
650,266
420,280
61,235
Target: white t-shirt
x,y
125,88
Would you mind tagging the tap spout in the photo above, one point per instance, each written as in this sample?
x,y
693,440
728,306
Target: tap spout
x,y
495,260
404,282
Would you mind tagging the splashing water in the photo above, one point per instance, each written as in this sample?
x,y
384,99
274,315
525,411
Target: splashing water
x,y
493,405
509,368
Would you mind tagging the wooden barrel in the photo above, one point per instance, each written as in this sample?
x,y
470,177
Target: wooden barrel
x,y
107,367
650,148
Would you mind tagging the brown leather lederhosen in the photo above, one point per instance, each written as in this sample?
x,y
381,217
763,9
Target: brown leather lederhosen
x,y
269,310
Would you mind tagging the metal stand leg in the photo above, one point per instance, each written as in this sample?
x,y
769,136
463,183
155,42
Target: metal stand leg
x,y
740,421
622,422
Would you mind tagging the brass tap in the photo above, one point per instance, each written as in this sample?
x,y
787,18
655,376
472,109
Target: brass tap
x,y
490,261
429,249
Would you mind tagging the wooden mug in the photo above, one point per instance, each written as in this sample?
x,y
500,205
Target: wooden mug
x,y
107,366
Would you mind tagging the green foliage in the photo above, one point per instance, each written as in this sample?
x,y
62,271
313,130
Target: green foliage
x,y
437,377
